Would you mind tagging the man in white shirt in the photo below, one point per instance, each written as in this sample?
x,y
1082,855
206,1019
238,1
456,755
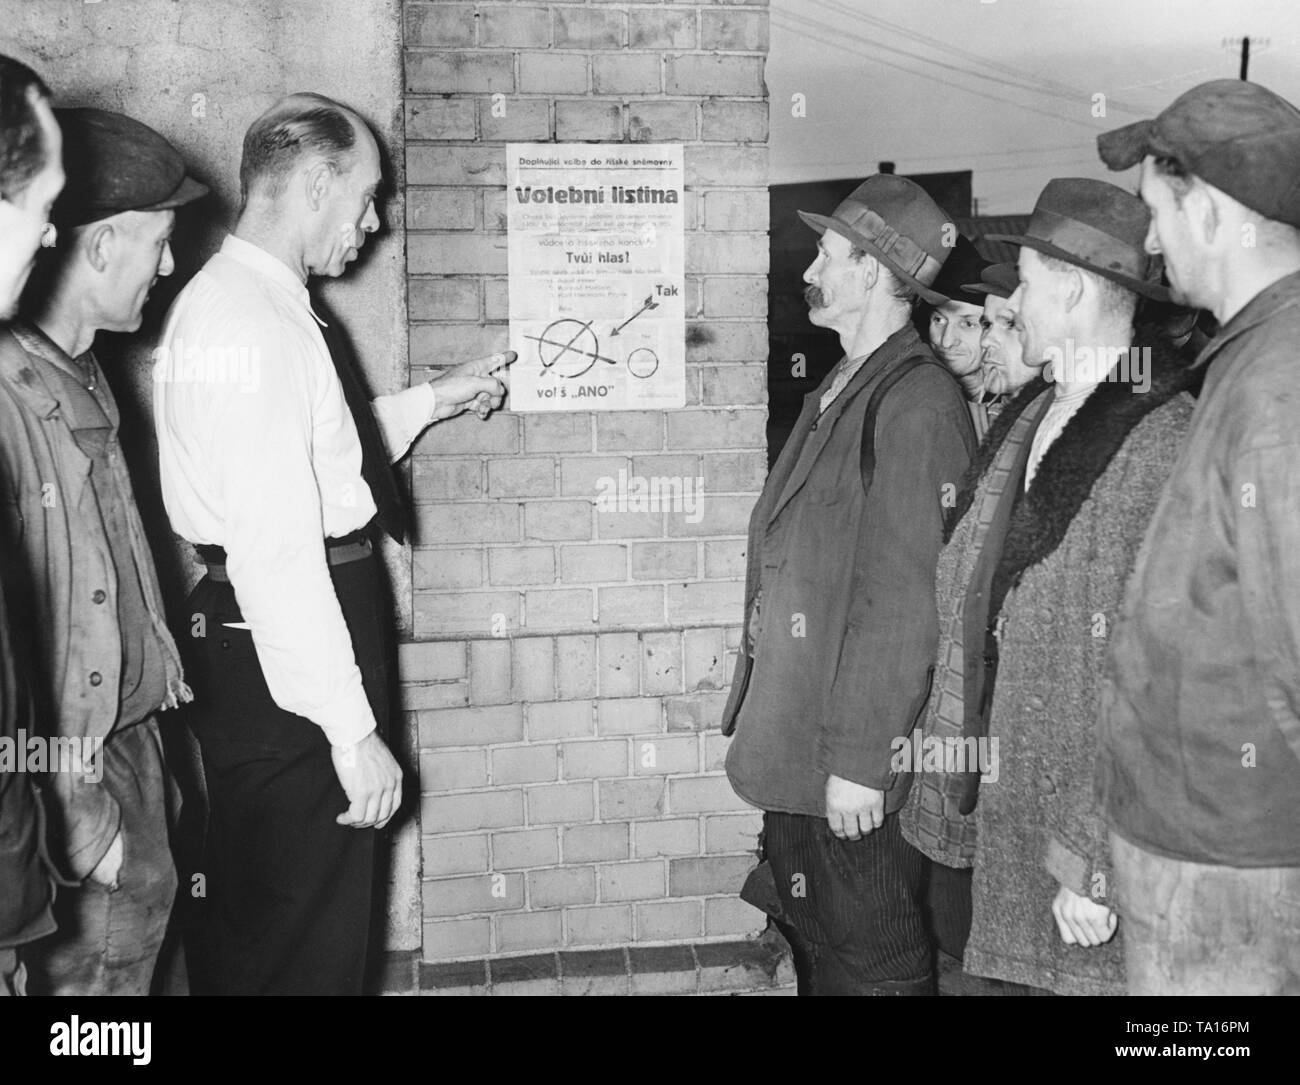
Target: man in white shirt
x,y
274,466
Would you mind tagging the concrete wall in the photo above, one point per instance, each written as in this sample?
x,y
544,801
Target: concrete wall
x,y
200,72
569,666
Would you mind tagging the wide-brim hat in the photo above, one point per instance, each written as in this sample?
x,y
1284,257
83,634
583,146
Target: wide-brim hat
x,y
1096,226
1000,280
115,163
897,222
1238,136
964,264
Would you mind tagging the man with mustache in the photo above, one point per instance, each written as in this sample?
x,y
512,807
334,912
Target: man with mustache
x,y
1200,767
31,176
105,663
839,604
279,481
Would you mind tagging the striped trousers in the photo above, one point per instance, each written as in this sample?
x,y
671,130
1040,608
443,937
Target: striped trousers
x,y
851,909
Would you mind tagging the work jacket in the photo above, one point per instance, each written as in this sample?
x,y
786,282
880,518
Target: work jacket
x,y
65,586
839,596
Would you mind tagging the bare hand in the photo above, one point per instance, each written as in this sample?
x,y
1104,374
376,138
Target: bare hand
x,y
853,810
110,866
480,384
372,781
1082,922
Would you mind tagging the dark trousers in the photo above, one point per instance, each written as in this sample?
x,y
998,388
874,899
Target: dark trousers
x,y
948,904
851,909
285,902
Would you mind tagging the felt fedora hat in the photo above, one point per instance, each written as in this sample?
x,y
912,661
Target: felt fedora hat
x,y
964,265
1000,280
897,222
1096,226
1238,136
115,163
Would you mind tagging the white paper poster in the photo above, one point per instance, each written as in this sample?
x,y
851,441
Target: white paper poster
x,y
597,276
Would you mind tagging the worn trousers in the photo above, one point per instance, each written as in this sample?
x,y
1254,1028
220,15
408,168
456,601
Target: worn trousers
x,y
1199,929
108,939
287,904
851,909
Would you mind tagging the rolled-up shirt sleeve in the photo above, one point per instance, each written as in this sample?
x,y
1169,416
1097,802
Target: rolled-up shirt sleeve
x,y
274,541
403,416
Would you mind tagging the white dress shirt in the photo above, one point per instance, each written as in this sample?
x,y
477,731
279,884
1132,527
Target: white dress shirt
x,y
259,454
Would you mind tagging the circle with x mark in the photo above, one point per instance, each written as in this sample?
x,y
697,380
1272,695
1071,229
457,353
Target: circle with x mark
x,y
568,348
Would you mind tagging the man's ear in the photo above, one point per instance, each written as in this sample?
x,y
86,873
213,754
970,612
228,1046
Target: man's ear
x,y
316,184
98,242
869,270
1073,287
1205,211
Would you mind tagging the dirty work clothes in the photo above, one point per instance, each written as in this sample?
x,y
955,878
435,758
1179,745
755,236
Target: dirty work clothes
x,y
1196,929
108,939
288,905
26,881
69,512
851,908
1200,715
839,591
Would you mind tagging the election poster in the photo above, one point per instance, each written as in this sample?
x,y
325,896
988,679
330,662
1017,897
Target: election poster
x,y
597,276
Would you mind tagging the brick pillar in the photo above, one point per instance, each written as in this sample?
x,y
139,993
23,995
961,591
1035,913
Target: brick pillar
x,y
569,665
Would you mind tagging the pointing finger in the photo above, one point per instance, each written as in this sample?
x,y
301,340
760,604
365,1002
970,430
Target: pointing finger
x,y
496,361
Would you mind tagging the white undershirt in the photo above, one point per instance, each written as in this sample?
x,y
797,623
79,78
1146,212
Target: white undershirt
x,y
259,454
1055,418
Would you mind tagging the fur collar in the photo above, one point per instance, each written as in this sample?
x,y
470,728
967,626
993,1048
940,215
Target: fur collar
x,y
1078,457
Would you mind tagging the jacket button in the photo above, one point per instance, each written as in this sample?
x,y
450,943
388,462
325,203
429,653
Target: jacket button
x,y
96,678
1047,784
99,596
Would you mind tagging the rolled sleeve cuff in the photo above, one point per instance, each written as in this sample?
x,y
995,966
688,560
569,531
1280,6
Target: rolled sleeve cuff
x,y
347,722
403,416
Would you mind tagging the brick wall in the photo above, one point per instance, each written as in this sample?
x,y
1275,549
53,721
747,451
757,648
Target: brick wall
x,y
569,664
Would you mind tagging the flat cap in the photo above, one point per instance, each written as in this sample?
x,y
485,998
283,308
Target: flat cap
x,y
115,163
1238,136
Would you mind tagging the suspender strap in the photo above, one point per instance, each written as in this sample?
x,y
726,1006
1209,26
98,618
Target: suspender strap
x,y
867,458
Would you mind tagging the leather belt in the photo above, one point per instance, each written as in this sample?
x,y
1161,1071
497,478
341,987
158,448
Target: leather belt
x,y
341,551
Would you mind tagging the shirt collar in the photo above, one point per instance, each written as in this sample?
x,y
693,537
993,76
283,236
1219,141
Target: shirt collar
x,y
271,267
81,408
1262,306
